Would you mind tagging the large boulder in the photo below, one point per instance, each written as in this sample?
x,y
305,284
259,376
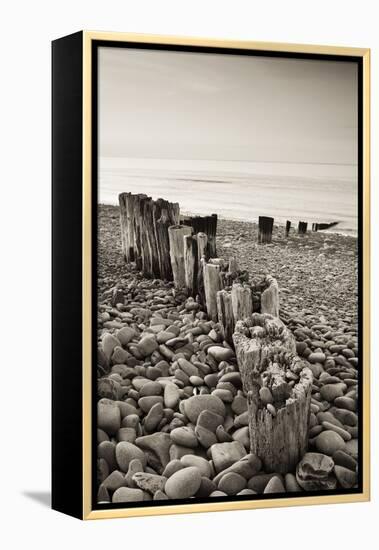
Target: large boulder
x,y
314,472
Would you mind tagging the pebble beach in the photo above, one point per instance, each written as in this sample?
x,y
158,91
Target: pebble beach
x,y
172,414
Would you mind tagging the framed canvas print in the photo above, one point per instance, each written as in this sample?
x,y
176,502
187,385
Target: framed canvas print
x,y
210,275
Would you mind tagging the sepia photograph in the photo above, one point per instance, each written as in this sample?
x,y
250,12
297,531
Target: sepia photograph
x,y
228,275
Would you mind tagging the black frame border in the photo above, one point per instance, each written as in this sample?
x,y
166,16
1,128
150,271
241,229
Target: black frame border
x,y
95,45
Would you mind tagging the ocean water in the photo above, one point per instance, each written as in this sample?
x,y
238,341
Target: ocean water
x,y
240,190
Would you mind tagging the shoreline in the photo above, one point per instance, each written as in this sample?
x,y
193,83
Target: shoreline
x,y
277,224
317,271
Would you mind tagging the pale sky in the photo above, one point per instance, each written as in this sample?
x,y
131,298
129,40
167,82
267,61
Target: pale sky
x,y
179,105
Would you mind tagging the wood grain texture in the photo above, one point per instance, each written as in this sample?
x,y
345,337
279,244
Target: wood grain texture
x,y
266,355
270,297
212,284
225,314
176,235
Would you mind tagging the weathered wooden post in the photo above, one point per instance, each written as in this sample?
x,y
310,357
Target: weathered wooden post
x,y
161,224
165,214
123,224
128,208
144,232
225,314
288,228
212,284
190,263
302,228
207,225
322,226
212,232
202,240
265,225
270,297
242,303
122,200
139,249
201,259
150,256
278,385
176,234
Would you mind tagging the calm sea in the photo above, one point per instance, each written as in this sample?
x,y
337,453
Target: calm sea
x,y
240,190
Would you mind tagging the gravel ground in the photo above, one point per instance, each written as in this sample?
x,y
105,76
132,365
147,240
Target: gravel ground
x,y
172,414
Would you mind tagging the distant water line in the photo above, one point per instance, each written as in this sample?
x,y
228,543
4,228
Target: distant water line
x,y
240,190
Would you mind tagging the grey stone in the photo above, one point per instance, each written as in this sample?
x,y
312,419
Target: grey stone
x,y
184,483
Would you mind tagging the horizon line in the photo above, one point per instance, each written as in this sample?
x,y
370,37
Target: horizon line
x,y
235,160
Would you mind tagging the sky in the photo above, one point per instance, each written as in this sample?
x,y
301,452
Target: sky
x,y
179,105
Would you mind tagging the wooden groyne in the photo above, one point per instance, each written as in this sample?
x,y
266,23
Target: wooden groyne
x,y
144,233
150,231
323,226
184,251
207,225
265,227
153,232
245,314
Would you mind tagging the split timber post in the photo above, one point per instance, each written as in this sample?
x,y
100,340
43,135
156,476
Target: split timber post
x,y
190,263
302,228
212,284
202,240
128,207
201,259
207,225
127,251
270,297
144,233
315,227
150,261
225,314
278,385
176,235
288,228
163,219
212,231
140,253
265,225
242,302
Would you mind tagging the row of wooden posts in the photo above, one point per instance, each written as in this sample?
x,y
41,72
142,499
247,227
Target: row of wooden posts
x,y
219,284
266,224
149,230
186,253
146,226
248,315
162,247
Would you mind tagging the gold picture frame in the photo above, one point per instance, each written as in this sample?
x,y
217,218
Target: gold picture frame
x,y
87,512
